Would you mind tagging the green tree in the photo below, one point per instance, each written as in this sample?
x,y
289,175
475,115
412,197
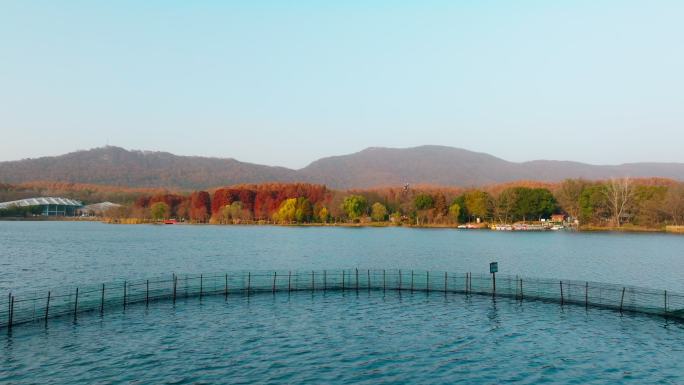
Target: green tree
x,y
455,212
593,204
304,210
354,206
505,204
463,215
533,203
423,202
477,204
294,210
160,210
378,212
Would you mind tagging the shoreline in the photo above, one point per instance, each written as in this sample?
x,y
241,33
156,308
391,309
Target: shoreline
x,y
677,230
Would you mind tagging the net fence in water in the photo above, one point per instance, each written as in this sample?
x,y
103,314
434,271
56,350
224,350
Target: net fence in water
x,y
71,301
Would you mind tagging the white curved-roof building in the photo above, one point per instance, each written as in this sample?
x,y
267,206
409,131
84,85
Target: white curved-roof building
x,y
51,205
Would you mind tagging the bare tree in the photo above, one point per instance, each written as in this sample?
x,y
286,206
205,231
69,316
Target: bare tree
x,y
619,195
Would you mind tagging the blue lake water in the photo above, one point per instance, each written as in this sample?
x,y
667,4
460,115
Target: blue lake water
x,y
47,254
338,337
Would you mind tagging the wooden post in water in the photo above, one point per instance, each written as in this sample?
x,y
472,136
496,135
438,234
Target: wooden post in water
x,y
201,285
427,281
665,301
357,280
586,295
313,288
399,288
521,290
493,285
76,305
369,281
384,281
225,288
47,308
147,293
249,281
102,300
289,281
342,280
175,287
466,283
622,299
124,298
445,283
411,281
275,274
561,289
11,313
325,280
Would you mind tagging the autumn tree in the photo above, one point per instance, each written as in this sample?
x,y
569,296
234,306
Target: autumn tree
x,y
441,208
674,204
323,215
200,206
378,212
647,205
568,195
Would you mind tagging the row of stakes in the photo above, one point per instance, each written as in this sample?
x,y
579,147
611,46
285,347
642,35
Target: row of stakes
x,y
468,290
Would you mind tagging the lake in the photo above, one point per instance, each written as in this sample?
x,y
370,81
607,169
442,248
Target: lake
x,y
47,254
337,337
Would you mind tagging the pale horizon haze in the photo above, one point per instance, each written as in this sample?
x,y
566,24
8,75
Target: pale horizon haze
x,y
286,83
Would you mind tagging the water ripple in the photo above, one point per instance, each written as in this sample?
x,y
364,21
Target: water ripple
x,y
345,338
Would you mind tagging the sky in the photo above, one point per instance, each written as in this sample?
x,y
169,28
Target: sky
x,y
287,82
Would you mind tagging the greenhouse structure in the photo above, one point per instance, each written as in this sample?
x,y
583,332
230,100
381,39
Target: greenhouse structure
x,y
50,206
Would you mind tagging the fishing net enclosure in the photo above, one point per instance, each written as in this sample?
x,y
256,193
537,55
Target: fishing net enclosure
x,y
37,307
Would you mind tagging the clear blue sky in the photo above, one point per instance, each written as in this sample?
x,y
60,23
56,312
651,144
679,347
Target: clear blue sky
x,y
286,82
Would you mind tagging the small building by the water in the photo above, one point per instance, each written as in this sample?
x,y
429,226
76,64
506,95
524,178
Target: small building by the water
x,y
50,206
558,218
98,209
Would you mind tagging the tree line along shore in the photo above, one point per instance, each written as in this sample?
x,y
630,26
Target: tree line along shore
x,y
631,204
627,204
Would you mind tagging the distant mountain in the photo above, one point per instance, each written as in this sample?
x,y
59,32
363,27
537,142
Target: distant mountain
x,y
451,166
437,165
120,167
